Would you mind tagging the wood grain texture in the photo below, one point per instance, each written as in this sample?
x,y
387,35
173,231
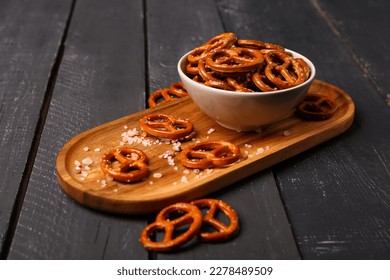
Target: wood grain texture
x,y
30,36
329,191
363,31
101,78
259,151
195,23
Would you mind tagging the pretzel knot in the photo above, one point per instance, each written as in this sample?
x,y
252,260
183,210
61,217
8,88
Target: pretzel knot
x,y
316,107
125,164
165,95
166,126
234,60
209,154
221,230
173,238
283,70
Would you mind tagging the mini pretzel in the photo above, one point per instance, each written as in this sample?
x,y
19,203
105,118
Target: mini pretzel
x,y
125,164
211,78
224,40
166,126
234,60
222,231
178,89
209,154
283,70
192,217
316,107
161,96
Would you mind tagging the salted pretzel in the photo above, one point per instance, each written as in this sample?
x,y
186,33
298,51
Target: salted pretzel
x,y
262,82
178,89
173,238
125,164
234,60
164,95
166,126
283,70
209,154
258,45
211,78
224,40
221,230
316,107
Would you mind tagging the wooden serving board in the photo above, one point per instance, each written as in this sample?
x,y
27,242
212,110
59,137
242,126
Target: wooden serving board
x,y
260,150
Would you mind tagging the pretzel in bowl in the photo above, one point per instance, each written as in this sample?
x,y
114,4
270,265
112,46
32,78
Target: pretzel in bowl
x,y
221,231
208,154
316,107
234,60
267,66
166,126
173,238
125,164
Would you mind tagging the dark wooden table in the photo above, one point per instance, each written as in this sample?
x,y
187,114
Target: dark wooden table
x,y
69,65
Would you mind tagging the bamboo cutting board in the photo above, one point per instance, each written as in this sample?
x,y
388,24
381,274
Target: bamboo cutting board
x,y
78,162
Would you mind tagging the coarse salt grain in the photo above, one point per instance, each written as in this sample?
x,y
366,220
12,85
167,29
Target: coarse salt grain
x,y
186,171
87,161
157,175
211,130
85,149
97,150
286,133
77,163
259,151
184,179
84,173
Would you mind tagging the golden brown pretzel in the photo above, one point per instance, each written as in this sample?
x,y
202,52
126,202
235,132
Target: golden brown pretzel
x,y
208,154
125,164
192,217
161,96
258,45
178,89
224,40
222,231
166,126
234,60
283,70
211,78
316,107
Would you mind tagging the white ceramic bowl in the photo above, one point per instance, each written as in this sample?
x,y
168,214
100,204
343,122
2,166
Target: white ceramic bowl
x,y
245,111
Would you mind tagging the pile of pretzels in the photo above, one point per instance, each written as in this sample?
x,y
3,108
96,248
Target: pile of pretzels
x,y
233,64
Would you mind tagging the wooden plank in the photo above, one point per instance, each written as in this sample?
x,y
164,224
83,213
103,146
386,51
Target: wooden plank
x,y
175,28
364,32
337,194
101,78
30,35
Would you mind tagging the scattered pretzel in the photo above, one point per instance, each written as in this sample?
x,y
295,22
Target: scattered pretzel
x,y
316,107
192,217
165,95
208,154
223,231
226,65
125,164
166,126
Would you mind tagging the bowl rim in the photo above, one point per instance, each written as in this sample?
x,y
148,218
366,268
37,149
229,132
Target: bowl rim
x,y
182,74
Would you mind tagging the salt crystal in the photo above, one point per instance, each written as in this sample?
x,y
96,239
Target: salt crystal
x,y
157,175
286,133
87,161
97,150
184,179
85,149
